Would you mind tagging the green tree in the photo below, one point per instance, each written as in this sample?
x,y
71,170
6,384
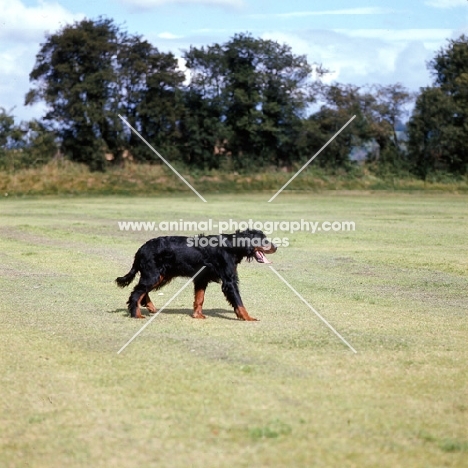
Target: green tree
x,y
266,99
75,76
203,126
254,94
378,111
438,127
149,97
433,139
204,133
26,144
9,133
390,109
10,141
91,71
40,144
339,103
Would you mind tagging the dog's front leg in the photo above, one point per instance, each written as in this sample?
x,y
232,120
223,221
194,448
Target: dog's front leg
x,y
242,314
231,291
200,285
198,303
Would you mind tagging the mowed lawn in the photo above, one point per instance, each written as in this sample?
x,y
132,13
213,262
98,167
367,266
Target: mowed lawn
x,y
280,392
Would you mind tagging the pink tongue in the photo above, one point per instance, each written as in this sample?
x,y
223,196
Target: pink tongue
x,y
260,257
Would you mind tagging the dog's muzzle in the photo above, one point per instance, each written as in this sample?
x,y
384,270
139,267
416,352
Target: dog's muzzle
x,y
261,251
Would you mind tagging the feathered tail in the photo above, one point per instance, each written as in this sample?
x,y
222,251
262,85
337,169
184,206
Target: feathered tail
x,y
123,281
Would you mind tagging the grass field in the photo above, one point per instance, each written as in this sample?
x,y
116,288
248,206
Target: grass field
x,y
281,392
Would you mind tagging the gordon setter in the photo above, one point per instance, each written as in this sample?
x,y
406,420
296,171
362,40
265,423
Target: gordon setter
x,y
164,258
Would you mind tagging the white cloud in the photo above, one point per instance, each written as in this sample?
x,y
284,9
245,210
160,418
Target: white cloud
x,y
431,38
347,11
149,4
168,35
446,3
410,66
22,28
24,23
369,56
399,34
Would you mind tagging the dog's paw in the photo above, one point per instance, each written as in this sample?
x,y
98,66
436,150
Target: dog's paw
x,y
198,316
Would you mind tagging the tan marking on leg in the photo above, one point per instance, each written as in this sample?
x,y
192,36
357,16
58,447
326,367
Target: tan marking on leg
x,y
149,303
151,307
242,314
138,310
198,304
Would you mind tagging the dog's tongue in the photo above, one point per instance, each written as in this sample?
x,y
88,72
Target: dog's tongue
x,y
260,257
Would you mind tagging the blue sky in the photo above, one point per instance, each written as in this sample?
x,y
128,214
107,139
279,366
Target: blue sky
x,y
362,42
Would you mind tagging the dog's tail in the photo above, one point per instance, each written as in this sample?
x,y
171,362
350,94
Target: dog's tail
x,y
123,281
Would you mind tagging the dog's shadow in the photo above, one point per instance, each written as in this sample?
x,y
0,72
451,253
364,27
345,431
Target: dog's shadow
x,y
215,313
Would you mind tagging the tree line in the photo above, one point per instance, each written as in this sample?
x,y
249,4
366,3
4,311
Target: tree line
x,y
243,105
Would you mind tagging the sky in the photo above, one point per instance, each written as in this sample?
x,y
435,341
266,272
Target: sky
x,y
360,42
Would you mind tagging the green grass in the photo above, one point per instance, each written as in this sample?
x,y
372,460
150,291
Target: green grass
x,y
281,392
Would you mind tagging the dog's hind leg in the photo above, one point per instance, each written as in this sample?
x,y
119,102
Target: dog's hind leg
x,y
148,303
140,296
134,301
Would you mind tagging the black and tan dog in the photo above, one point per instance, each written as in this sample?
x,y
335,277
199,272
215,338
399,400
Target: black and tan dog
x,y
164,258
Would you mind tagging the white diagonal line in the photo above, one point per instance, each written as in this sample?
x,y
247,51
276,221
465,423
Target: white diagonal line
x,y
161,309
313,310
157,154
311,159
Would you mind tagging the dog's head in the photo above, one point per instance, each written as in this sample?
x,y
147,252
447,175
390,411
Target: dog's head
x,y
253,244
